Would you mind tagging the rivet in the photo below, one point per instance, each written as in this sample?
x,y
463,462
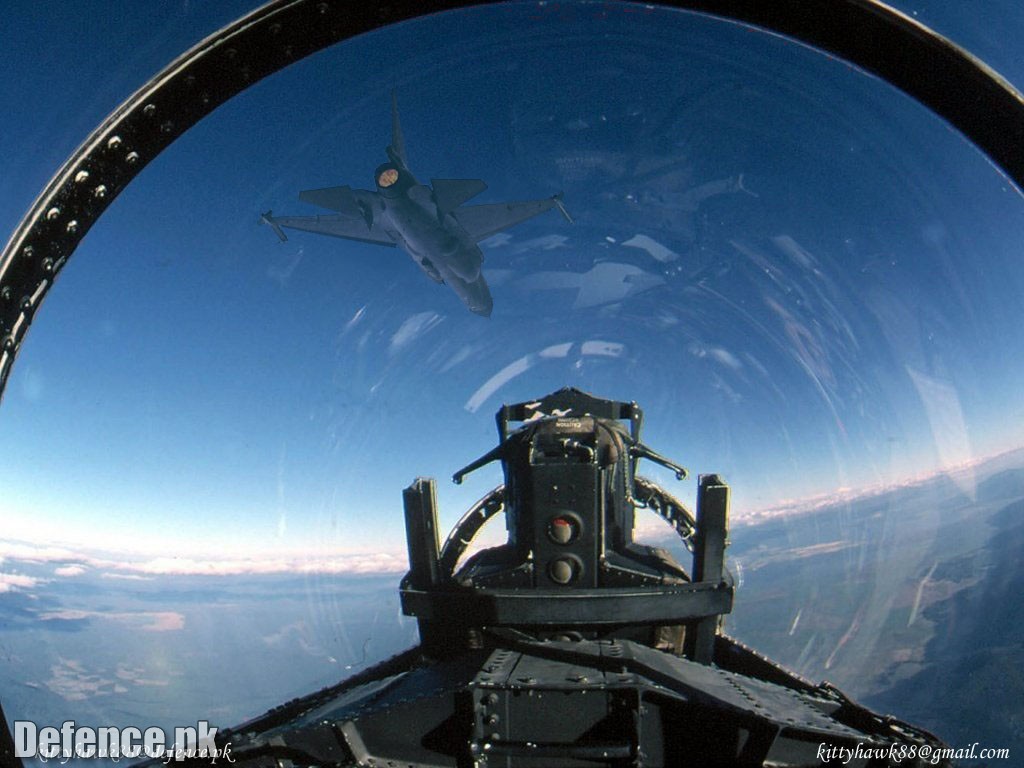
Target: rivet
x,y
149,110
81,176
132,158
53,213
72,227
113,142
100,192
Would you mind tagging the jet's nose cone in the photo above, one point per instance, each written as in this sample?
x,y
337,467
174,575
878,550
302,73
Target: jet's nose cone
x,y
484,310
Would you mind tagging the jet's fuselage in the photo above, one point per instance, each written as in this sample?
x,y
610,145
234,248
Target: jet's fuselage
x,y
435,241
425,233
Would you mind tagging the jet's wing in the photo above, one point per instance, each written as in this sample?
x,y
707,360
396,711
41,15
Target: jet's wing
x,y
335,225
340,199
449,194
482,221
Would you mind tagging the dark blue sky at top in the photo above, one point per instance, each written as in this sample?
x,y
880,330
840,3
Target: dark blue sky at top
x,y
822,288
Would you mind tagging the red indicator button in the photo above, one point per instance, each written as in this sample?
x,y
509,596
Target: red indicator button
x,y
562,530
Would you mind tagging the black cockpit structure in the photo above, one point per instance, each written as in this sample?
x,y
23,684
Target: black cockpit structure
x,y
570,567
571,644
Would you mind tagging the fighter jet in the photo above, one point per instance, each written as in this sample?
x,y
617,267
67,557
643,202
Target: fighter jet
x,y
429,222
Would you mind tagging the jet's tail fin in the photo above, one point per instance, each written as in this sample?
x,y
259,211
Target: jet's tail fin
x,y
396,151
268,218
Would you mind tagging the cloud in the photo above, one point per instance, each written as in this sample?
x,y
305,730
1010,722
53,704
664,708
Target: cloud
x,y
137,676
375,562
34,553
126,576
299,635
963,475
144,621
134,566
70,570
73,681
72,684
9,582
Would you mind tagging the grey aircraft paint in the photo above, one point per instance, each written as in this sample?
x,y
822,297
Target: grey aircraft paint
x,y
430,222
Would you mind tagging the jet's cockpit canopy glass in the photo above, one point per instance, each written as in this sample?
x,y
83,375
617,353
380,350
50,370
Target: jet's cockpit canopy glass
x,y
809,283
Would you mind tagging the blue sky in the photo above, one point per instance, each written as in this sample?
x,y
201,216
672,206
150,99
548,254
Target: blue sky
x,y
807,281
